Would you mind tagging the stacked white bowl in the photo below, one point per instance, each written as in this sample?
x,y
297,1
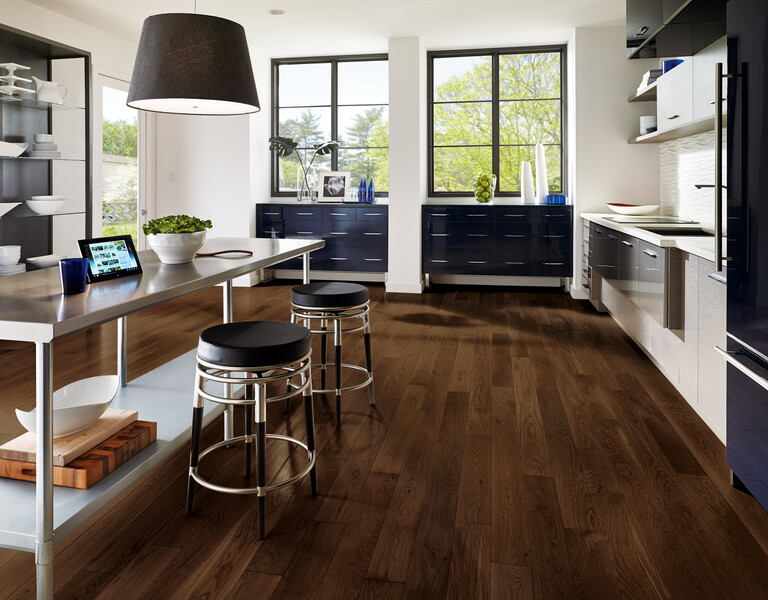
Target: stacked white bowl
x,y
44,146
9,260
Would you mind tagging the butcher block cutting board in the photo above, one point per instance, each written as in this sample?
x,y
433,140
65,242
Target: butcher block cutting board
x,y
69,447
94,464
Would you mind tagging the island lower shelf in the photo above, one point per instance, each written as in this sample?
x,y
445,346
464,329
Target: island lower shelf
x,y
163,395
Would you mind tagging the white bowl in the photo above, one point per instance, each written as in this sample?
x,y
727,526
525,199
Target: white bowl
x,y
6,207
176,248
43,262
633,209
12,149
76,406
44,138
46,207
9,255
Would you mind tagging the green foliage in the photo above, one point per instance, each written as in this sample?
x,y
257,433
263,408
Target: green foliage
x,y
121,229
120,138
122,185
529,113
176,224
286,147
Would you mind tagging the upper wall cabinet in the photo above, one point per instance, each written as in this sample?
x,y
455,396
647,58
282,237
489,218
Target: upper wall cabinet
x,y
665,28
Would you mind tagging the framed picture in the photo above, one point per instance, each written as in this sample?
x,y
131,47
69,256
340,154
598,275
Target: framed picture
x,y
332,185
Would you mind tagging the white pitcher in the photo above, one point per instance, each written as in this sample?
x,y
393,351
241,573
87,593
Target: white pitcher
x,y
49,91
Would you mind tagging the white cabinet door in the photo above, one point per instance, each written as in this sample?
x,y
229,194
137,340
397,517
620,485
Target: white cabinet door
x,y
704,79
674,105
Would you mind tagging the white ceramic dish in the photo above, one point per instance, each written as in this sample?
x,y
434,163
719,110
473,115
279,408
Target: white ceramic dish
x,y
6,207
13,270
11,149
44,138
43,262
46,207
176,248
77,405
633,209
9,255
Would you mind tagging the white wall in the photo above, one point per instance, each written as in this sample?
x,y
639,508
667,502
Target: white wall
x,y
603,166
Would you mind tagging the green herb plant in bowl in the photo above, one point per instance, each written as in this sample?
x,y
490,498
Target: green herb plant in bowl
x,y
176,238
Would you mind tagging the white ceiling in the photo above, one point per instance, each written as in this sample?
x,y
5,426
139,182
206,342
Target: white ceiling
x,y
339,26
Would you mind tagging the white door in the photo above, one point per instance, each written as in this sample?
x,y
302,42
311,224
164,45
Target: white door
x,y
121,197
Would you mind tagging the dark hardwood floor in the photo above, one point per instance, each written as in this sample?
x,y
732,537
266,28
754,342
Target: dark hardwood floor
x,y
521,447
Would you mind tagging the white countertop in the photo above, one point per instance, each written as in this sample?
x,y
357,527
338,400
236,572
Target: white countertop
x,y
703,247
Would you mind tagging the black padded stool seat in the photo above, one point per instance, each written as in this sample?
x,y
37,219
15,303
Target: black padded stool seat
x,y
329,294
254,343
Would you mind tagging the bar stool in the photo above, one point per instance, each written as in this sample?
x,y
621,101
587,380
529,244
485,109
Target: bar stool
x,y
336,302
245,357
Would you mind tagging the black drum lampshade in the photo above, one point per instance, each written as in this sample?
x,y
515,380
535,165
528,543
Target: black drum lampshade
x,y
194,65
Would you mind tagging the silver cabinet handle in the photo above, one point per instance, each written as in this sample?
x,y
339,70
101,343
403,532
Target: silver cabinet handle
x,y
372,259
719,165
339,214
272,214
514,262
554,214
730,357
373,214
515,215
305,232
610,237
477,215
552,264
438,261
305,214
604,266
438,214
337,258
476,262
439,234
626,243
371,233
338,233
477,235
650,253
554,236
514,235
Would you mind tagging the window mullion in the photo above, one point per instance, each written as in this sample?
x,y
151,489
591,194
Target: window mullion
x,y
495,135
335,112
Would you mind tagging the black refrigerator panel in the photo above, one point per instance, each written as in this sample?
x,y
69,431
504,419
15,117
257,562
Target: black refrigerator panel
x,y
747,173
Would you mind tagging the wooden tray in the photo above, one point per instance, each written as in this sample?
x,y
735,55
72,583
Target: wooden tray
x,y
68,448
93,465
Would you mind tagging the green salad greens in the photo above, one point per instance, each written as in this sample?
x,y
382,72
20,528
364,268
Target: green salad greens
x,y
176,224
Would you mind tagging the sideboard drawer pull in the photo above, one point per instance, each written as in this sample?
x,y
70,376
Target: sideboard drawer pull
x,y
553,264
553,236
514,262
477,235
372,233
476,262
439,234
372,259
309,214
438,261
272,214
337,258
514,235
305,232
338,233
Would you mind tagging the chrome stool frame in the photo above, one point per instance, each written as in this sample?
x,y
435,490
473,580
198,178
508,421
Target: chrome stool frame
x,y
337,315
254,381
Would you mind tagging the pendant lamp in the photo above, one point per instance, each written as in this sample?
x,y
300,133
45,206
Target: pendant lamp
x,y
193,65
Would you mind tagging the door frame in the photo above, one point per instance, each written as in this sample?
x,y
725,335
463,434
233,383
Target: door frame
x,y
106,77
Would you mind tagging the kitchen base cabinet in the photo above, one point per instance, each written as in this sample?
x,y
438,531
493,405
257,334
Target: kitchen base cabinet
x,y
356,235
524,241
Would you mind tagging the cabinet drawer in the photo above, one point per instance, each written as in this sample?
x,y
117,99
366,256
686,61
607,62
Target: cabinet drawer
x,y
447,213
359,231
304,229
674,92
304,212
476,214
554,235
275,230
513,214
372,214
270,214
553,266
552,214
336,213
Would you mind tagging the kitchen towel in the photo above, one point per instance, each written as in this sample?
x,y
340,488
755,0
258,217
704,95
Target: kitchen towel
x,y
527,193
542,187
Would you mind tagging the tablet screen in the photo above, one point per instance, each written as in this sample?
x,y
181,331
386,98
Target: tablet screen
x,y
110,257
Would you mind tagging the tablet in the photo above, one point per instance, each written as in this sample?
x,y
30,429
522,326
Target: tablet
x,y
110,257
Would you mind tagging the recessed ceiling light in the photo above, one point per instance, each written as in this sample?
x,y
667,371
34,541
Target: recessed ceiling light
x,y
276,11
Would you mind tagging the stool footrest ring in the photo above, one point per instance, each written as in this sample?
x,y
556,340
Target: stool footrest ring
x,y
348,388
258,490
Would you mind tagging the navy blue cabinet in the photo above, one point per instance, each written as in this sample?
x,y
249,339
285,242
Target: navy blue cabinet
x,y
355,235
498,240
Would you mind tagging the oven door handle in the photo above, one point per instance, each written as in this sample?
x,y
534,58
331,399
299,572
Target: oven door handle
x,y
730,357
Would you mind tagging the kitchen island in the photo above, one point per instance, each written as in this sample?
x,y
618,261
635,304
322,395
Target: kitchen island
x,y
32,309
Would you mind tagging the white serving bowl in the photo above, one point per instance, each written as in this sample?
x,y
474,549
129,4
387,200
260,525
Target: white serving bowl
x,y
9,255
176,248
43,262
44,138
46,205
76,406
6,207
12,149
633,209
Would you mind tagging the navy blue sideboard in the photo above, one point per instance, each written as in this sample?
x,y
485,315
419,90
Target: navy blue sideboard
x,y
355,234
498,240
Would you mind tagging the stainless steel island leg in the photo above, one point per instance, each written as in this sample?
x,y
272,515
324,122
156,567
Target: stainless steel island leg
x,y
122,350
44,469
229,411
305,264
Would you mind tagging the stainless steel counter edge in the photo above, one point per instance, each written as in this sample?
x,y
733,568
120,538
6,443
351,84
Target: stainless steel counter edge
x,y
703,247
33,309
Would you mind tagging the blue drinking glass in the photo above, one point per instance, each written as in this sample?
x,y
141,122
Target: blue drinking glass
x,y
73,275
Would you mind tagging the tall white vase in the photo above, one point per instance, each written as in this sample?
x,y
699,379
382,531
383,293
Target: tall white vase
x,y
542,185
527,193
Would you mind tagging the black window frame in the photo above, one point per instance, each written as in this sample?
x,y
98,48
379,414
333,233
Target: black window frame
x,y
494,53
334,61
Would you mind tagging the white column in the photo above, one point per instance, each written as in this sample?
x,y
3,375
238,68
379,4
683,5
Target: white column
x,y
407,162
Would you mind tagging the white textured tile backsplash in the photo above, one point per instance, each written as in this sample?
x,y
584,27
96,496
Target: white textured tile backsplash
x,y
684,163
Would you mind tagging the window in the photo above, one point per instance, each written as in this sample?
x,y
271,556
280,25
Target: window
x,y
488,110
338,98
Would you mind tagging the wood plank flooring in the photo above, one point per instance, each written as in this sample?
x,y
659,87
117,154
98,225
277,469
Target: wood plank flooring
x,y
521,447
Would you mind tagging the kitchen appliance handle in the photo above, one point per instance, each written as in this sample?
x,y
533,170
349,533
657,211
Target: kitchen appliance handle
x,y
730,357
650,253
719,167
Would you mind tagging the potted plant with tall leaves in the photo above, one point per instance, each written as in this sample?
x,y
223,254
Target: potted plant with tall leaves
x,y
285,147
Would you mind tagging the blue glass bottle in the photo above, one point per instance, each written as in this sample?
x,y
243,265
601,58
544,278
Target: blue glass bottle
x,y
371,196
361,191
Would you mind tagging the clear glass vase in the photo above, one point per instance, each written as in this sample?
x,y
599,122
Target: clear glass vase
x,y
306,184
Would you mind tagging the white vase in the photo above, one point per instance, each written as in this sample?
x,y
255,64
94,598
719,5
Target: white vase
x,y
176,248
542,185
527,193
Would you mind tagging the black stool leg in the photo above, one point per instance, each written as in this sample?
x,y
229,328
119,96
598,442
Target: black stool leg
x,y
309,420
337,344
323,354
288,381
248,429
261,450
194,453
368,359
